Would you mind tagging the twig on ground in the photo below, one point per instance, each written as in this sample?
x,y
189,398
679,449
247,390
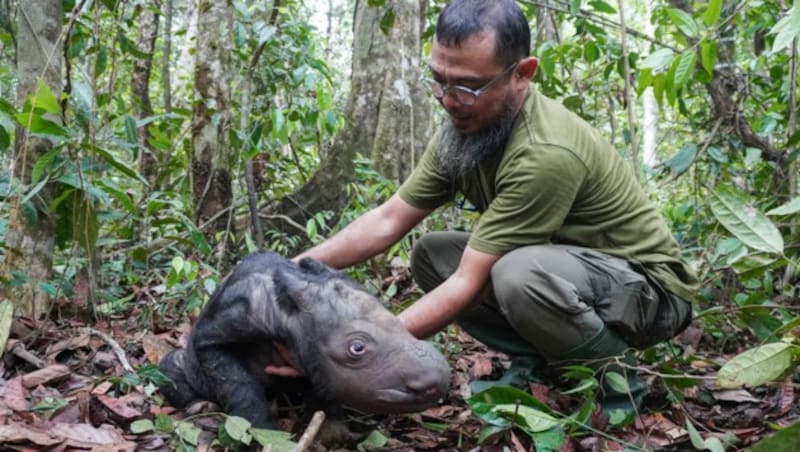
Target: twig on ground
x,y
123,360
21,352
311,432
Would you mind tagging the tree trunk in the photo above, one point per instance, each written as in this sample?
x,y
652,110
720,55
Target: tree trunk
x,y
211,174
379,120
29,240
140,84
403,113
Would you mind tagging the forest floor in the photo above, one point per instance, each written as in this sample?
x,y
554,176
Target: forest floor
x,y
67,385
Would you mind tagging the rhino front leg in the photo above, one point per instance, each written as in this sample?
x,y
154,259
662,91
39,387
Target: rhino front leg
x,y
178,393
236,388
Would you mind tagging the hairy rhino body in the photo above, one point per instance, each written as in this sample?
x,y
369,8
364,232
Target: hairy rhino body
x,y
352,350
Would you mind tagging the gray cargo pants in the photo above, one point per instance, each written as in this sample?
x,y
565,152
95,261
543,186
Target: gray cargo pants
x,y
549,300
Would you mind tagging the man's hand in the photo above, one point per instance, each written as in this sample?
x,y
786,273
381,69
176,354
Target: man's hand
x,y
285,365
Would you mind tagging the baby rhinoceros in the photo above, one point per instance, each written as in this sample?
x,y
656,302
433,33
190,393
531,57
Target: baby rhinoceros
x,y
352,350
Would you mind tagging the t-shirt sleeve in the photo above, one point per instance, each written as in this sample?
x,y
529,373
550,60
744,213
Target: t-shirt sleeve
x,y
427,187
536,188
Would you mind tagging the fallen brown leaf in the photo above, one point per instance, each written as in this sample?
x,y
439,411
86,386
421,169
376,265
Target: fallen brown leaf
x,y
50,373
15,396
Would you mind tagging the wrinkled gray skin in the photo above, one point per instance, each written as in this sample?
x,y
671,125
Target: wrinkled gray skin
x,y
353,350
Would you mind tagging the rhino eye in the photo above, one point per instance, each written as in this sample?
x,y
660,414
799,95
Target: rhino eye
x,y
357,347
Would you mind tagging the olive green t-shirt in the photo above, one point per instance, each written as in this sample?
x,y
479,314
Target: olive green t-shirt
x,y
558,181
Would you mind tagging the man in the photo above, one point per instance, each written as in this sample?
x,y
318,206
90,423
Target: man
x,y
569,260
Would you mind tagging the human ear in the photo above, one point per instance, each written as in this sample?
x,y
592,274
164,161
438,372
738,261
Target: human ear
x,y
527,67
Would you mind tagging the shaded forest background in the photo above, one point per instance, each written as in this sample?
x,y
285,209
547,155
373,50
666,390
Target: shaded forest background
x,y
148,144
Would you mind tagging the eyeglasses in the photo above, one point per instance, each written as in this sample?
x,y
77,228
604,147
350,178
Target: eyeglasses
x,y
464,95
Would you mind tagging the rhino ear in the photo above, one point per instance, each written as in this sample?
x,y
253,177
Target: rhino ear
x,y
315,267
296,291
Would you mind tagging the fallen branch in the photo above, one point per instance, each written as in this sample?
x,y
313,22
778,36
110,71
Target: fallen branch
x,y
123,360
311,432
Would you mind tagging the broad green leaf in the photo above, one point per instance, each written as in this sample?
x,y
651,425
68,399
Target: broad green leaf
x,y
745,222
534,420
7,108
177,264
617,382
645,81
45,99
789,208
142,425
38,125
375,440
188,432
682,160
684,70
119,195
6,316
277,440
602,7
549,440
711,443
84,220
713,12
786,29
683,21
119,165
5,138
708,55
44,163
659,59
756,366
387,21
786,440
237,427
753,262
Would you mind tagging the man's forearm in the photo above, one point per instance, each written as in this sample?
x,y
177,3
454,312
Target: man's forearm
x,y
353,244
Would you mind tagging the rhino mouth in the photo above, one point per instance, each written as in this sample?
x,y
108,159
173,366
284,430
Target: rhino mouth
x,y
396,399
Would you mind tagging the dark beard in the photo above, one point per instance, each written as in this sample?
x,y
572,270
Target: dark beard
x,y
460,154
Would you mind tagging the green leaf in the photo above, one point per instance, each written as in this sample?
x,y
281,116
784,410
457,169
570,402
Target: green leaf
x,y
7,108
85,220
708,55
375,440
713,12
45,99
683,159
683,21
533,420
387,21
5,139
788,208
121,166
38,125
659,59
684,70
617,382
44,163
602,7
142,425
6,316
746,222
277,440
786,440
752,262
164,424
188,432
756,366
711,443
119,195
786,29
236,427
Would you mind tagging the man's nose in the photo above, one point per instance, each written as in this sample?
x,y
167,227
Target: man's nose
x,y
449,101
